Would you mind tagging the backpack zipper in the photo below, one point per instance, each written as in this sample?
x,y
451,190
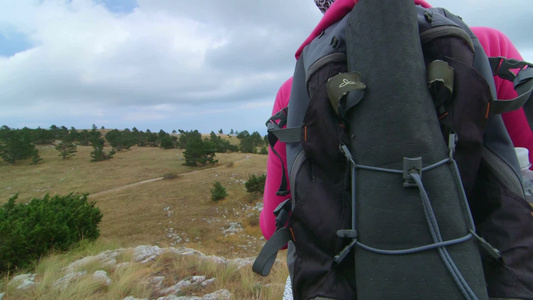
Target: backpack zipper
x,y
298,162
503,171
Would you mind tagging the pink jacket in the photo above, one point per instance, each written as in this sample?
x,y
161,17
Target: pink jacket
x,y
267,220
494,43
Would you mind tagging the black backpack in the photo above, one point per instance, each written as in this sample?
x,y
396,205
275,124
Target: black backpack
x,y
400,191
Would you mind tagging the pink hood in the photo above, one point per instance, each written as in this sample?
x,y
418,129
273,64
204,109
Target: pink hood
x,y
337,11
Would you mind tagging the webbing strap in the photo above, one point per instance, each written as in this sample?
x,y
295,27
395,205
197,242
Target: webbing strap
x,y
266,258
502,106
264,261
287,135
283,186
523,84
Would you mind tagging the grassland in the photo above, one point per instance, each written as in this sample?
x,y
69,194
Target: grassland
x,y
141,208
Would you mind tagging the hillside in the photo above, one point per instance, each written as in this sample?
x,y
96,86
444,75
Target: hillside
x,y
142,208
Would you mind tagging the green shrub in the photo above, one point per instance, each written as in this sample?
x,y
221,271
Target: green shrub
x,y
255,184
218,192
31,230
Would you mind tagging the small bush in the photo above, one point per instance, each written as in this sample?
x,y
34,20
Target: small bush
x,y
31,230
218,192
255,184
171,175
252,220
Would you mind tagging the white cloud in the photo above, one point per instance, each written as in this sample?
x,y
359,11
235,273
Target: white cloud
x,y
172,64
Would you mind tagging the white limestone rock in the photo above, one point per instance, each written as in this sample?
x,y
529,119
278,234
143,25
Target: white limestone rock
x,y
101,276
23,281
64,281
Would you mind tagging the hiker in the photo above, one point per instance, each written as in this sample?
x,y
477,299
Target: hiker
x,y
270,201
494,43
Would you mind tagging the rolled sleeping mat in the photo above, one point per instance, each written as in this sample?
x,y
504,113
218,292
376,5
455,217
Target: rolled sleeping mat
x,y
397,119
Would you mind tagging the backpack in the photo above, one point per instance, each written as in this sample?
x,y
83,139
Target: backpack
x,y
400,191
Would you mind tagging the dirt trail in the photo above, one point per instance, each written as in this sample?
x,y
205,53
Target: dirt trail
x,y
159,178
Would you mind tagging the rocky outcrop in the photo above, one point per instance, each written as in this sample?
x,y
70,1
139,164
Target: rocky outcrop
x,y
140,255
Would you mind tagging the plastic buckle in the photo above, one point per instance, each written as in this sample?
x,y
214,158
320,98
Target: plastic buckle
x,y
282,213
280,116
410,166
504,70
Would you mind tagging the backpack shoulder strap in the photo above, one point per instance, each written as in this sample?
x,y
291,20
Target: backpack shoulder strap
x,y
274,125
500,66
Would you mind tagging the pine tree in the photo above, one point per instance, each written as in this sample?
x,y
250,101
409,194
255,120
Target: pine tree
x,y
250,142
98,153
165,140
218,192
16,145
198,151
66,149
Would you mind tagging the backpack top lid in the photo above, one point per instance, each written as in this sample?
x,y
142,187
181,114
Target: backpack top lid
x,y
335,12
523,157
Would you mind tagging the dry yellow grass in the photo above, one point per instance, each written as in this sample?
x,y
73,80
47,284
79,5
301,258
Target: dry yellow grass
x,y
78,174
146,213
156,212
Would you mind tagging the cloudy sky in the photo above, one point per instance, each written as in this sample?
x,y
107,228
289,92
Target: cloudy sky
x,y
171,64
